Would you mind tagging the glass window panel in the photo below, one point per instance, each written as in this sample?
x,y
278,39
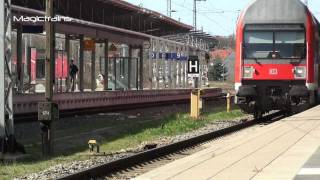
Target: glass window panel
x,y
290,44
259,37
258,44
260,51
289,37
290,50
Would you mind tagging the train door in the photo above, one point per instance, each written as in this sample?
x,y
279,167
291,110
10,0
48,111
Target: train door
x,y
31,54
61,74
38,69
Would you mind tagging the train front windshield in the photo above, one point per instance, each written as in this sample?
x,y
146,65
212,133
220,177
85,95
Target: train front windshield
x,y
274,45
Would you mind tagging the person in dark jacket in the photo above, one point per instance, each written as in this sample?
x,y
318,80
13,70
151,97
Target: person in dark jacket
x,y
73,70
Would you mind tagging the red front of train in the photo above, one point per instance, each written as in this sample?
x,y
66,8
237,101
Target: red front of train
x,y
277,60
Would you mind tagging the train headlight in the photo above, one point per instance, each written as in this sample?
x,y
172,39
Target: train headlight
x,y
248,72
300,72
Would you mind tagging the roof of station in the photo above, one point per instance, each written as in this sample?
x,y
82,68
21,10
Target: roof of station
x,y
116,13
194,37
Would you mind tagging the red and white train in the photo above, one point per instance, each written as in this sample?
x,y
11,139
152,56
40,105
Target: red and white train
x,y
38,65
277,56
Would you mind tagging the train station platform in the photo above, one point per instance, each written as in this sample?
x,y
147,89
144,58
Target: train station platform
x,y
286,149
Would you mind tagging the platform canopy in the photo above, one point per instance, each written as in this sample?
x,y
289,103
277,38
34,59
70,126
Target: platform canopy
x,y
115,19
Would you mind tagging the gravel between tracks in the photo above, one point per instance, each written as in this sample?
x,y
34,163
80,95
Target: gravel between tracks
x,y
69,168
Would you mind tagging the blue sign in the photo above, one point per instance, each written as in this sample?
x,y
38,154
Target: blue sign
x,y
174,56
178,56
153,55
168,56
184,58
162,55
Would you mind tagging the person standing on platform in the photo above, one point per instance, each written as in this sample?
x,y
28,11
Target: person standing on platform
x,y
73,70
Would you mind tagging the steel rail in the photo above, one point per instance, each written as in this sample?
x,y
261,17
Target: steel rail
x,y
127,162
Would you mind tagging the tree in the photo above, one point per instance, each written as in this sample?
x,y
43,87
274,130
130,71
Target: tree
x,y
217,71
225,42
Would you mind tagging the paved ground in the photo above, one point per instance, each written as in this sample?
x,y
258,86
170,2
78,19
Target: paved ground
x,y
277,151
311,169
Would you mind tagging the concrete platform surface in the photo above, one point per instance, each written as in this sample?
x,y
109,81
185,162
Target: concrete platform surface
x,y
311,169
276,151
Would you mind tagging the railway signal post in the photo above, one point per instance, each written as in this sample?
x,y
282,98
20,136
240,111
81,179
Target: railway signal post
x,y
48,111
194,105
228,102
193,72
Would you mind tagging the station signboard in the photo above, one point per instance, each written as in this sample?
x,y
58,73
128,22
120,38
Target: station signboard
x,y
193,66
89,45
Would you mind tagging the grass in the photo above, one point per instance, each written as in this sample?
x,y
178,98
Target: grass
x,y
129,134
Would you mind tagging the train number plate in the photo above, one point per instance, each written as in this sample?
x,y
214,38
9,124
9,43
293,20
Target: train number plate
x,y
273,71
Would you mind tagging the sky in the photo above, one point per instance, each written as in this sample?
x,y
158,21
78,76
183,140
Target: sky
x,y
217,17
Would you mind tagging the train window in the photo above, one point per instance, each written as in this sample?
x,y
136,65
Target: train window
x,y
263,44
258,44
290,44
259,37
40,68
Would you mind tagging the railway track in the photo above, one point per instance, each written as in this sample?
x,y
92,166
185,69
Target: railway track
x,y
26,111
149,156
32,117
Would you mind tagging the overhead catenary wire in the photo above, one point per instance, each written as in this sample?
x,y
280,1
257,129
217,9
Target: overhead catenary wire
x,y
226,11
221,12
206,16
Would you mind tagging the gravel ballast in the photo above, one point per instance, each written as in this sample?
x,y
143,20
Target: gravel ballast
x,y
69,168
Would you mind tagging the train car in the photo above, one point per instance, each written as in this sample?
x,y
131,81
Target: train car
x,y
38,65
277,58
